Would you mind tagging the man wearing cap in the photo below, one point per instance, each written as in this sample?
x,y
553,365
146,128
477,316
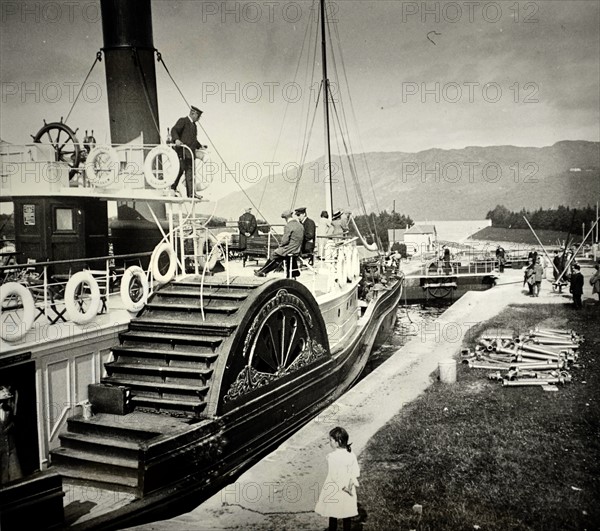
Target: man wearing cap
x,y
184,133
246,226
290,245
310,232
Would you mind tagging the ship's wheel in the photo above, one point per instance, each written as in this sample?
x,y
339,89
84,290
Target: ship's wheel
x,y
66,146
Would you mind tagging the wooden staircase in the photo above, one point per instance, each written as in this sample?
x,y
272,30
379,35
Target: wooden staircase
x,y
166,359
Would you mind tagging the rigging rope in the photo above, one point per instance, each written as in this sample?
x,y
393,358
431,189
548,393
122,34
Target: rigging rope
x,y
349,153
304,41
303,158
98,59
354,117
303,151
160,60
214,146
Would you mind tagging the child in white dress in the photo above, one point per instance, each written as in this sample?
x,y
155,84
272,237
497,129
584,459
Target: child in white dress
x,y
338,496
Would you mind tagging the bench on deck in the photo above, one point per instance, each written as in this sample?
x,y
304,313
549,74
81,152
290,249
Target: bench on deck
x,y
258,247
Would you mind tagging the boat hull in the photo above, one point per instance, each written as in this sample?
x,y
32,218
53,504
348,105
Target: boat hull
x,y
182,470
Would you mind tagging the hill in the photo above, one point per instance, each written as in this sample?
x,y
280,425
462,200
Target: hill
x,y
456,184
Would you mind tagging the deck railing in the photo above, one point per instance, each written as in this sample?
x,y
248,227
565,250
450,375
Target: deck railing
x,y
131,166
48,289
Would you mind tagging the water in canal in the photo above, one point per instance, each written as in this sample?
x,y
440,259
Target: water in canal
x,y
411,320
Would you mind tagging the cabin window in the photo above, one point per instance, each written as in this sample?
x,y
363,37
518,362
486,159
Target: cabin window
x,y
63,219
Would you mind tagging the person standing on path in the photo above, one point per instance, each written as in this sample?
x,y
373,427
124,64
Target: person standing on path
x,y
501,258
529,277
577,286
538,271
338,496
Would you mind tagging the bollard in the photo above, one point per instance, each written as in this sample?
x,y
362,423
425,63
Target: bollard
x,y
447,371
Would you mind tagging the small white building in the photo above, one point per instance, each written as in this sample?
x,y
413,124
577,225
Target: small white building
x,y
420,239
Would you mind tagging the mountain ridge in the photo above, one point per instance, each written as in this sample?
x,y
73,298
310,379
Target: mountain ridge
x,y
454,184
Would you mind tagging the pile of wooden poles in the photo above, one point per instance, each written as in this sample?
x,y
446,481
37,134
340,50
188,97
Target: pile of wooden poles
x,y
542,357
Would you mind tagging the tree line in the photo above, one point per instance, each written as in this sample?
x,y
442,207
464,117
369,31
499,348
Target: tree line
x,y
374,225
563,218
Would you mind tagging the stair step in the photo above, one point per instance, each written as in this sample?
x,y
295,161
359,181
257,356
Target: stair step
x,y
167,356
91,457
149,401
158,386
242,283
111,444
160,369
180,323
166,337
121,426
209,294
99,478
193,307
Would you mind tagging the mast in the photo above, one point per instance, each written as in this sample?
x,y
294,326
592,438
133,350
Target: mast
x,y
328,180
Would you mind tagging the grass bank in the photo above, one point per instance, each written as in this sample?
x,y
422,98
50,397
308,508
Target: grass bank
x,y
477,454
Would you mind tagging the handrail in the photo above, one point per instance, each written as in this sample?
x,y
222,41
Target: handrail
x,y
208,257
131,162
75,261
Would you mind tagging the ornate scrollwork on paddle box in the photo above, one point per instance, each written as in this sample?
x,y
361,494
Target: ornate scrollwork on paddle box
x,y
250,379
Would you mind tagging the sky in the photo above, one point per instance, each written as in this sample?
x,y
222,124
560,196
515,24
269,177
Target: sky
x,y
420,74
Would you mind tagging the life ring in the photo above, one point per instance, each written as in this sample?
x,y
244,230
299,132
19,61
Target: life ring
x,y
102,166
156,254
138,274
10,331
202,181
341,268
170,167
73,305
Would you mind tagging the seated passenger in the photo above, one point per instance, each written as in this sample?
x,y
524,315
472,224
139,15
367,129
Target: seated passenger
x,y
290,246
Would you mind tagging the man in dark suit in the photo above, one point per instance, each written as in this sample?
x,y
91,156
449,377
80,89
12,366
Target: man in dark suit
x,y
247,226
310,232
577,286
501,257
184,133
